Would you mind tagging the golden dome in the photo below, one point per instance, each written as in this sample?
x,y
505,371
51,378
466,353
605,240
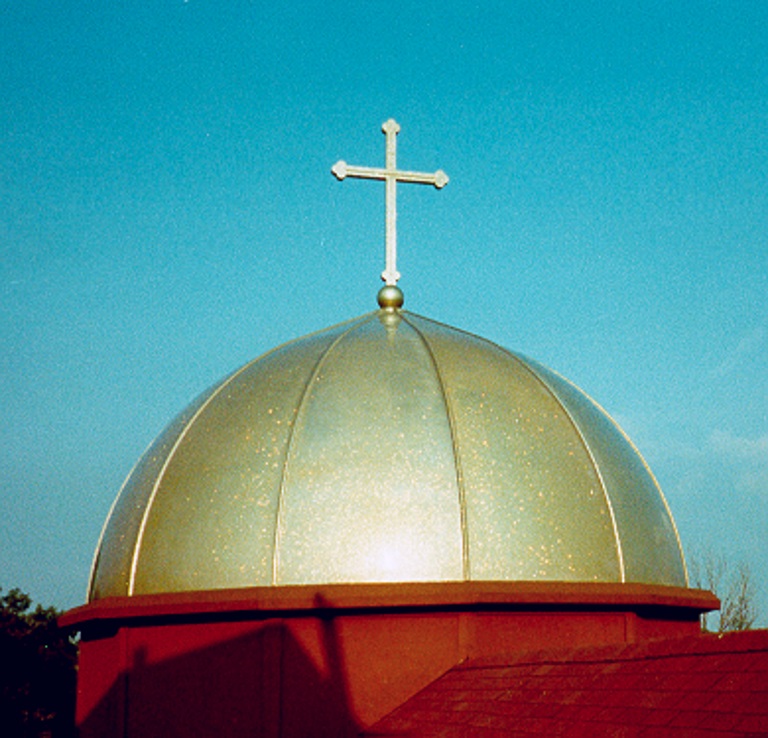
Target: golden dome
x,y
390,448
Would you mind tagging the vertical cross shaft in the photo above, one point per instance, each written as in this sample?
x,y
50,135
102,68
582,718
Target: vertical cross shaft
x,y
391,176
390,275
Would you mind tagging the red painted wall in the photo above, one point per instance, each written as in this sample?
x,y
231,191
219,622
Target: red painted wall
x,y
297,662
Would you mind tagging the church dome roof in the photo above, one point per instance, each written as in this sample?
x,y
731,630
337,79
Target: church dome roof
x,y
390,448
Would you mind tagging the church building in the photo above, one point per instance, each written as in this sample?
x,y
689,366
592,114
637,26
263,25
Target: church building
x,y
392,527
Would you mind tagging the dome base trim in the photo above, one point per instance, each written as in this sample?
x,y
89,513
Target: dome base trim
x,y
257,602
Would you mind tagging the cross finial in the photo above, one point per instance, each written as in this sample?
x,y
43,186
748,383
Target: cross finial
x,y
391,175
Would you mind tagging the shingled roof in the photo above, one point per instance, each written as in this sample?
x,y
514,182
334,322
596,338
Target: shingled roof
x,y
710,686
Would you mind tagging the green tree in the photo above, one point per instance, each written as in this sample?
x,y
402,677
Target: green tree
x,y
734,586
38,663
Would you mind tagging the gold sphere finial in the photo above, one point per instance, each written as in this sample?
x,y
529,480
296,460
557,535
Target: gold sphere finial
x,y
390,297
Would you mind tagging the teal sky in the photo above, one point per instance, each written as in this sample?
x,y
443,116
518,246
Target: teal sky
x,y
167,213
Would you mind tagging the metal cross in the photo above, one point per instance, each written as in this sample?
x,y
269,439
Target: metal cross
x,y
391,175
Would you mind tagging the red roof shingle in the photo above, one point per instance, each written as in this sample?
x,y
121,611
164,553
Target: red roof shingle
x,y
710,686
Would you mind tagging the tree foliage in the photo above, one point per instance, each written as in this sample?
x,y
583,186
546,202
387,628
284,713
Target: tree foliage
x,y
37,670
734,586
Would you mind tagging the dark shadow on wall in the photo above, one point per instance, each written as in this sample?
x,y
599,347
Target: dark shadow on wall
x,y
261,684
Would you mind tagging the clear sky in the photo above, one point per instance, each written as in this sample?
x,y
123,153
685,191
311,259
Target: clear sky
x,y
167,213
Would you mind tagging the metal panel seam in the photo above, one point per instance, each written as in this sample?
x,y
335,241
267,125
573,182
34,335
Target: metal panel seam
x,y
465,561
595,465
279,512
97,552
188,425
653,478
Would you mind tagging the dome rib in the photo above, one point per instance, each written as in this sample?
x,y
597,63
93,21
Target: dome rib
x,y
650,473
465,563
187,427
598,472
305,393
113,506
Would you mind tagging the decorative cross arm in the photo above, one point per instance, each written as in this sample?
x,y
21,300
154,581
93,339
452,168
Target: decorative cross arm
x,y
391,175
342,170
